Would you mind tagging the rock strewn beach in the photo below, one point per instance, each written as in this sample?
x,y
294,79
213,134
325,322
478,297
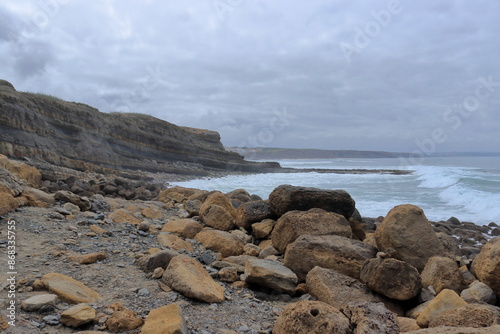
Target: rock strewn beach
x,y
111,254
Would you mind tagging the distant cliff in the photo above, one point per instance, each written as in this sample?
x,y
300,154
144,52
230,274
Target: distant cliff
x,y
264,153
80,137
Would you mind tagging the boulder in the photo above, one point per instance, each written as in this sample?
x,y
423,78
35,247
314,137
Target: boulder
x,y
165,320
68,289
406,230
181,194
239,195
78,315
479,292
311,317
314,222
442,273
174,242
486,265
159,259
123,320
253,212
392,278
328,251
338,290
271,274
287,198
446,300
188,277
186,228
124,216
35,303
371,318
473,315
219,241
218,212
263,229
67,196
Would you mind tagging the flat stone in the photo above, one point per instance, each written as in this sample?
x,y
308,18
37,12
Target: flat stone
x,y
68,289
78,315
271,274
35,303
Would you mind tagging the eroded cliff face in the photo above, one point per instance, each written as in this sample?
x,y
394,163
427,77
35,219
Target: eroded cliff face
x,y
78,136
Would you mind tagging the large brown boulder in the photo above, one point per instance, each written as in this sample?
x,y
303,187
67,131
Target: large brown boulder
x,y
442,273
314,222
486,265
392,278
287,198
339,290
406,230
219,241
218,212
187,276
328,251
253,212
311,317
186,228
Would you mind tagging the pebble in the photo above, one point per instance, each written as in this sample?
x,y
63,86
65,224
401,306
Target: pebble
x,y
52,320
143,292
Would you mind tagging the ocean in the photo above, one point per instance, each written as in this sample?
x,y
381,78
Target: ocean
x,y
467,188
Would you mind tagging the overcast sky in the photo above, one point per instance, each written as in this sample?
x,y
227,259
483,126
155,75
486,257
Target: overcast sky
x,y
375,75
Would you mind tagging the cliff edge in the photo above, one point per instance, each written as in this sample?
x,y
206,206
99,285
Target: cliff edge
x,y
80,137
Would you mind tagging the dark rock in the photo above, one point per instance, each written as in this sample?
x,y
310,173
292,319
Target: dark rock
x,y
287,198
253,212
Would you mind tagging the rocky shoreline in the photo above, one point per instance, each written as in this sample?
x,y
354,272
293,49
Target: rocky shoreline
x,y
124,254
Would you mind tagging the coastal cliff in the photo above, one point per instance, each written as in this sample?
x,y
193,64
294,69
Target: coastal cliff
x,y
80,137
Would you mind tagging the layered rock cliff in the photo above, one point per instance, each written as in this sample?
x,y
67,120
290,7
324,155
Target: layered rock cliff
x,y
78,136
